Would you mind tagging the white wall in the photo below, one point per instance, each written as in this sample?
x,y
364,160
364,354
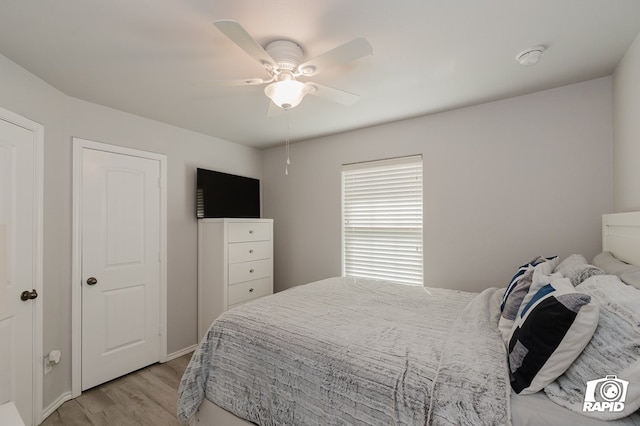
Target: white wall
x,y
626,131
503,182
185,150
24,94
64,118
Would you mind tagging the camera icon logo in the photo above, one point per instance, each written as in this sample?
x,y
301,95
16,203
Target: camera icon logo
x,y
606,394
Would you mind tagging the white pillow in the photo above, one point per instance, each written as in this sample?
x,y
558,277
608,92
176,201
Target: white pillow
x,y
554,325
631,278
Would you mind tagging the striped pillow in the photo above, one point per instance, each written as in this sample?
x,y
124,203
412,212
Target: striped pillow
x,y
549,333
518,289
538,262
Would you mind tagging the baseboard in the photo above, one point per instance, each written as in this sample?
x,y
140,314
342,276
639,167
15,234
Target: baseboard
x,y
56,404
181,352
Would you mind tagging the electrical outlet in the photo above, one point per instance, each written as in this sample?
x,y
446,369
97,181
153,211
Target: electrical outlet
x,y
47,365
53,358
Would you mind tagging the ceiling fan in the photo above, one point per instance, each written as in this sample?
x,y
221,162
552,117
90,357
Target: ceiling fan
x,y
284,62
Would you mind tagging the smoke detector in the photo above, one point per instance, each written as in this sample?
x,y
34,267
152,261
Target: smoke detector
x,y
530,56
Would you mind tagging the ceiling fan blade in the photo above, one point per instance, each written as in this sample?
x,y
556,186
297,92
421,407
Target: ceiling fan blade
x,y
231,83
243,39
332,94
350,51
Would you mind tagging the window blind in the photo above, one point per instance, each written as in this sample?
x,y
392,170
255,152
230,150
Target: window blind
x,y
382,220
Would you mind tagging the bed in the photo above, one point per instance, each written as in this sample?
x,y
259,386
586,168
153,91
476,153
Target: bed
x,y
350,351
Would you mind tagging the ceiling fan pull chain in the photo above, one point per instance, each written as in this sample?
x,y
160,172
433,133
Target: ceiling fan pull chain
x,y
288,162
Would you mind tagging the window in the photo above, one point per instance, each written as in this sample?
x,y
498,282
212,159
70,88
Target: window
x,y
382,220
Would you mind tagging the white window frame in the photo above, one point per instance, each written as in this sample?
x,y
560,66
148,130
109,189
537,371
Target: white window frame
x,y
399,260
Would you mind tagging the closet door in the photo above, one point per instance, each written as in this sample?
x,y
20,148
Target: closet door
x,y
120,265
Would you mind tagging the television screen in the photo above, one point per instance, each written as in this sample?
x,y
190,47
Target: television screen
x,y
225,195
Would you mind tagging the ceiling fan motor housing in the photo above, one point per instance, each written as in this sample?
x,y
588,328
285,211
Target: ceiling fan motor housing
x,y
287,54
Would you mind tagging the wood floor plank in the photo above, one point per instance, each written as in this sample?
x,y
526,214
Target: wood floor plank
x,y
72,414
111,416
145,397
94,400
158,391
180,363
169,374
130,397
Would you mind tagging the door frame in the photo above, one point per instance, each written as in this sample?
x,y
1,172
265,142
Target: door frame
x,y
76,251
38,254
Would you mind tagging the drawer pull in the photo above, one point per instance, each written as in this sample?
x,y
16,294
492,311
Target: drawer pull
x,y
251,271
251,231
251,290
250,251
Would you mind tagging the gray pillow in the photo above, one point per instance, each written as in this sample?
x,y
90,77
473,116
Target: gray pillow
x,y
612,265
576,268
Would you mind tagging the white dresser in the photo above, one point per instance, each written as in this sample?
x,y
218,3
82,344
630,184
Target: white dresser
x,y
235,265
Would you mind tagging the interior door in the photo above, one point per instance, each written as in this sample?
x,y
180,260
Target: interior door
x,y
16,267
120,265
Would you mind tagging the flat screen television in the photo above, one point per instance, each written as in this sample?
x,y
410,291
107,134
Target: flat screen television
x,y
225,195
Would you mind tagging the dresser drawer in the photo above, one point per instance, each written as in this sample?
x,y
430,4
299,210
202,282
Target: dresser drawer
x,y
247,271
249,231
249,290
245,252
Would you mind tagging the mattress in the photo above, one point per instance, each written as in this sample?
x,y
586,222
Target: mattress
x,y
538,409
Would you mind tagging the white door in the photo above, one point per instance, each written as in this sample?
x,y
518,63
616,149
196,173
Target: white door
x,y
120,265
17,236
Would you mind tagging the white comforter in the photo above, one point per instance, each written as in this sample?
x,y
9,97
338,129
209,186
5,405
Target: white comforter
x,y
347,351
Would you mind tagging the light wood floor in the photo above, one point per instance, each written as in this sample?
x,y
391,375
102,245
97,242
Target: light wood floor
x,y
145,397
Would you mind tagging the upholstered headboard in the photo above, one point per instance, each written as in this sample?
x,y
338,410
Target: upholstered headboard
x,y
621,236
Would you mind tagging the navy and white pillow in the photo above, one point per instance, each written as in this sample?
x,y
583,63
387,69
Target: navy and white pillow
x,y
552,328
550,263
614,349
518,289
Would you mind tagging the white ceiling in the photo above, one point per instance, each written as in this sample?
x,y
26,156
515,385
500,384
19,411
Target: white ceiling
x,y
144,56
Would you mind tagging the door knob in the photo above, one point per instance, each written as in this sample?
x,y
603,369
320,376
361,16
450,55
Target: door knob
x,y
92,281
28,295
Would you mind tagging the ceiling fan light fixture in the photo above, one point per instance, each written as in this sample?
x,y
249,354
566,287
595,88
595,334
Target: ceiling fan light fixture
x,y
286,93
